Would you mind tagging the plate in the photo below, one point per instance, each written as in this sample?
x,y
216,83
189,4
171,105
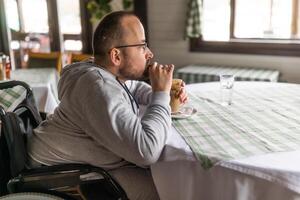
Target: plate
x,y
184,113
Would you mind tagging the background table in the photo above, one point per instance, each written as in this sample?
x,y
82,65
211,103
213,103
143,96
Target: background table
x,y
207,73
178,175
43,82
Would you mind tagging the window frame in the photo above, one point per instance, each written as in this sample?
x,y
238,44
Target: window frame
x,y
246,46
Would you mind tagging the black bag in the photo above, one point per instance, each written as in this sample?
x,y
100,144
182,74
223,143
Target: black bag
x,y
4,165
15,131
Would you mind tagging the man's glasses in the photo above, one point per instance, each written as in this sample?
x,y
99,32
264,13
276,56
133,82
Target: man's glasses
x,y
143,45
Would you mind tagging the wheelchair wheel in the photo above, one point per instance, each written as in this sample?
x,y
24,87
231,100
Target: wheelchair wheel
x,y
30,196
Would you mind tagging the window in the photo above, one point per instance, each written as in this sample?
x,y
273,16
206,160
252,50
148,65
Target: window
x,y
216,20
12,15
70,27
272,19
66,23
29,30
249,26
13,20
37,21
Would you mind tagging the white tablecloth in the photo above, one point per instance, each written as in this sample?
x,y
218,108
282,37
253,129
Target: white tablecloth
x,y
178,175
43,82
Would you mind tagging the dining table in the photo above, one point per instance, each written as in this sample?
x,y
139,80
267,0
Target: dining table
x,y
43,82
247,150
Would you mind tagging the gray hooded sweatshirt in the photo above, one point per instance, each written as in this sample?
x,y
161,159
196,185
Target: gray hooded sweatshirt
x,y
97,123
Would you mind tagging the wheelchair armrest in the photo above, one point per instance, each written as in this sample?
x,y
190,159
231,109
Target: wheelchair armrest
x,y
62,168
59,176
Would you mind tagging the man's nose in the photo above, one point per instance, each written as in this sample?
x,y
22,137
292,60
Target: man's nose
x,y
149,54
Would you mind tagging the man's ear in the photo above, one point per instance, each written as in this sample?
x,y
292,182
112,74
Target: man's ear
x,y
115,56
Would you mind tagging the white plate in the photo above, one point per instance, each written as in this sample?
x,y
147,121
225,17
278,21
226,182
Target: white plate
x,y
184,112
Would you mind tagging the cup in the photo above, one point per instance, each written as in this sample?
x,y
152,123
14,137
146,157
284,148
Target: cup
x,y
226,82
174,94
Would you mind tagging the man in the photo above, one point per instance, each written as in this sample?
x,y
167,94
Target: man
x,y
97,120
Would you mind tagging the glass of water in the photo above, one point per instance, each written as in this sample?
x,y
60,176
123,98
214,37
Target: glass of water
x,y
226,82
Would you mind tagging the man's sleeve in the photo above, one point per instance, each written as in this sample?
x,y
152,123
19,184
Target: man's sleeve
x,y
113,124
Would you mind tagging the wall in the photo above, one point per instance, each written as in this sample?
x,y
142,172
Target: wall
x,y
166,24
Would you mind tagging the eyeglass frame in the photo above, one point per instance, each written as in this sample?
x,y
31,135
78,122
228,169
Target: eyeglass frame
x,y
131,45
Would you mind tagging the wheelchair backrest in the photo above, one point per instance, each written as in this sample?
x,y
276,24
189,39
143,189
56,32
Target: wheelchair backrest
x,y
16,126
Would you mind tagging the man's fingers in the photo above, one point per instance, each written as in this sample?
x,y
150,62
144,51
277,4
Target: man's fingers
x,y
182,84
183,95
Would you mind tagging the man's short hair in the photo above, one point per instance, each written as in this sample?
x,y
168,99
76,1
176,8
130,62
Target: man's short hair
x,y
109,33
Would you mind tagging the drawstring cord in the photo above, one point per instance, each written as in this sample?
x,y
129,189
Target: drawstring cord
x,y
131,97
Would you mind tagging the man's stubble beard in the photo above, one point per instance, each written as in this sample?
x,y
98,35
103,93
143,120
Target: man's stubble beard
x,y
130,75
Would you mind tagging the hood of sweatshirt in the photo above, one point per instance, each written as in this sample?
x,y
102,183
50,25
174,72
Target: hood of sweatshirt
x,y
74,73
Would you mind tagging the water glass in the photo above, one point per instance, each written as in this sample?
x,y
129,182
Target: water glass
x,y
226,82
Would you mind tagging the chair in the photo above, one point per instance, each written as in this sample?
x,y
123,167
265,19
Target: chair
x,y
68,181
78,57
45,60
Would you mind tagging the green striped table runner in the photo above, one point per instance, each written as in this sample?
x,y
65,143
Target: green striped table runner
x,y
259,121
196,74
10,98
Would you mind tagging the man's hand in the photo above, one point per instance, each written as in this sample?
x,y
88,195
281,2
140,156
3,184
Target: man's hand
x,y
161,77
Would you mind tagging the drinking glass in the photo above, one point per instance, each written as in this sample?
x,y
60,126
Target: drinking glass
x,y
226,82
